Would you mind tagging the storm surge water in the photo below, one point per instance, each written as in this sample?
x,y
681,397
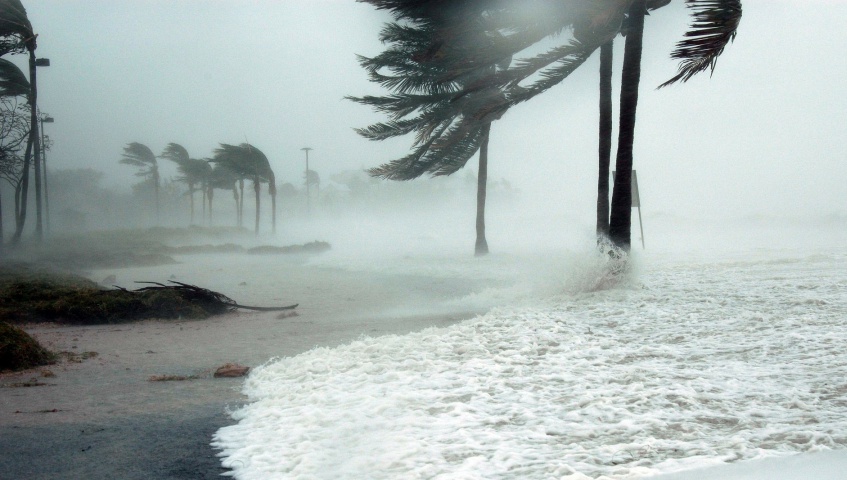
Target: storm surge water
x,y
687,363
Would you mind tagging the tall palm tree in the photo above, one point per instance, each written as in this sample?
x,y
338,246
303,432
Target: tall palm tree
x,y
428,55
13,83
248,162
17,36
140,155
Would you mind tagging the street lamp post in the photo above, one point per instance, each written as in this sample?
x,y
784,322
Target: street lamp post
x,y
37,62
45,119
308,194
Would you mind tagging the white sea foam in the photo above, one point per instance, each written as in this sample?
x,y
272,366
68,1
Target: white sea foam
x,y
688,364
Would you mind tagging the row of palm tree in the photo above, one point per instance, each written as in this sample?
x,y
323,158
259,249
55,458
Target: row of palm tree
x,y
450,69
227,169
17,36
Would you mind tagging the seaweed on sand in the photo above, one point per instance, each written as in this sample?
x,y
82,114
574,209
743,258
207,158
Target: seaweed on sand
x,y
53,299
19,351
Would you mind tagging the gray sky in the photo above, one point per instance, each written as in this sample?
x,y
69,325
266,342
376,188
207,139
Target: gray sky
x,y
764,135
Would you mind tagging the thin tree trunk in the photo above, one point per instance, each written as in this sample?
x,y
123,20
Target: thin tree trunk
x,y
235,197
33,102
191,195
20,219
205,188
620,225
481,247
211,196
156,179
257,188
272,191
240,213
605,144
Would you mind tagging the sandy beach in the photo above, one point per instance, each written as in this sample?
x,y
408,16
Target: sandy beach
x,y
99,415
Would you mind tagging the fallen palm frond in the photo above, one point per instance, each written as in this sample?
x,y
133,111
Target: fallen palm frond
x,y
45,296
205,296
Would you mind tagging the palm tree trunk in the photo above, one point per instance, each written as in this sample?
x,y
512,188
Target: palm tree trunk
x,y
257,188
621,220
191,196
21,197
605,144
33,132
156,190
205,188
211,196
235,197
240,213
481,247
272,191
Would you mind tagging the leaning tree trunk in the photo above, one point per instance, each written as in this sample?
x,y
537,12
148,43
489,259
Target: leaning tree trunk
x,y
21,198
620,223
605,144
33,133
481,247
257,189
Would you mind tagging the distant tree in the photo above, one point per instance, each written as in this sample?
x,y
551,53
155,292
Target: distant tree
x,y
248,162
221,177
140,155
193,172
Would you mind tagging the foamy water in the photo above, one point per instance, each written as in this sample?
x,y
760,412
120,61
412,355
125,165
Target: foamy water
x,y
689,364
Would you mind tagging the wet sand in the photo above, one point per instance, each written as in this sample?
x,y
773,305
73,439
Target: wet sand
x,y
103,418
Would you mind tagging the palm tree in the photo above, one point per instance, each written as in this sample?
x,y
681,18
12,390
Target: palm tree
x,y
140,155
428,70
192,171
13,83
248,162
17,36
714,26
220,177
593,23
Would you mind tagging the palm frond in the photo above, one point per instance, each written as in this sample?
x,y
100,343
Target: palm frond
x,y
714,26
13,82
175,153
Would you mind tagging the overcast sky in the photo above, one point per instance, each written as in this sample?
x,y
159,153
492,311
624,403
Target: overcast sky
x,y
765,134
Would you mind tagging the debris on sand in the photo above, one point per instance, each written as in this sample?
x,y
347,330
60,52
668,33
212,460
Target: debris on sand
x,y
19,351
231,370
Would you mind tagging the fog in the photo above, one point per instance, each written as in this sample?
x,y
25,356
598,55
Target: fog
x,y
741,181
760,138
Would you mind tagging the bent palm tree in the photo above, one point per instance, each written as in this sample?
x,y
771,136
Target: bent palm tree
x,y
249,162
17,36
140,155
428,57
192,171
